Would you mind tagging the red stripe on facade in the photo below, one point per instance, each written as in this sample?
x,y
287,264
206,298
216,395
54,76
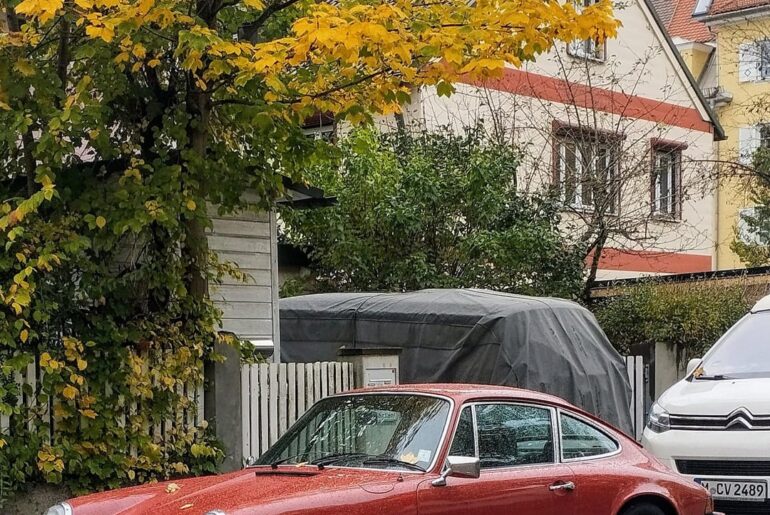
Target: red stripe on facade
x,y
552,89
653,262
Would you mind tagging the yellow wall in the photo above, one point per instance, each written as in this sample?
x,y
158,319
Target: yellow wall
x,y
741,112
695,59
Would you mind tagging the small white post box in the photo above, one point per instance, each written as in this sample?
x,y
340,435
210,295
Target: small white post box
x,y
373,367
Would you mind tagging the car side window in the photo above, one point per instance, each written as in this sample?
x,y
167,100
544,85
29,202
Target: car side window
x,y
464,443
513,434
582,440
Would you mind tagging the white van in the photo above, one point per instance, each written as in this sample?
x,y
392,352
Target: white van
x,y
714,425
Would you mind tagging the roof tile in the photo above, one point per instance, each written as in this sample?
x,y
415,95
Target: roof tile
x,y
683,25
727,6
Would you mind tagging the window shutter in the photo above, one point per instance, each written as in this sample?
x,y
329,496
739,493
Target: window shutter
x,y
748,143
748,62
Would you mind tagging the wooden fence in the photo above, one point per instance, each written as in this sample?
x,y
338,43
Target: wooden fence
x,y
39,412
275,395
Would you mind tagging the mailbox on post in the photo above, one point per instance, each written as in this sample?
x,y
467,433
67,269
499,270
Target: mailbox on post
x,y
373,367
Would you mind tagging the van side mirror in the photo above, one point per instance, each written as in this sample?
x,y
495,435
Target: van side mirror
x,y
459,466
692,365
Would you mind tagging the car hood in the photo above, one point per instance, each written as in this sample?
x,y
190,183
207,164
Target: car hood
x,y
717,398
255,490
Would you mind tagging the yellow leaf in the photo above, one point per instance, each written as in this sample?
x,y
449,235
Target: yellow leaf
x,y
70,392
100,222
2,443
45,358
191,205
59,411
180,467
24,67
131,475
254,4
24,335
88,413
139,51
172,487
82,364
153,63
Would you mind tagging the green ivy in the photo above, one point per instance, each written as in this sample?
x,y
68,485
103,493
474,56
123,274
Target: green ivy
x,y
94,293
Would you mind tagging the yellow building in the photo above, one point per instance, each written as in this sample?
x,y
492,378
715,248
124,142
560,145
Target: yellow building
x,y
726,44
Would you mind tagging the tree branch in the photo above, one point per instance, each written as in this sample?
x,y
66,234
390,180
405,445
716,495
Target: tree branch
x,y
251,29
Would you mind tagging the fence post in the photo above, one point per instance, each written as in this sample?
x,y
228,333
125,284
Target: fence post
x,y
222,403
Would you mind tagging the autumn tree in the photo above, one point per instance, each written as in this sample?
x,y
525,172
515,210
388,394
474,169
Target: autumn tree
x,y
121,122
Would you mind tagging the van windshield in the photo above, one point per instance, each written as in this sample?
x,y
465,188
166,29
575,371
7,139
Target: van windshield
x,y
743,353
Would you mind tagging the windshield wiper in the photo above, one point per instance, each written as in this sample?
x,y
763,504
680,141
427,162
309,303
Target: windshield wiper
x,y
322,460
713,377
284,460
375,460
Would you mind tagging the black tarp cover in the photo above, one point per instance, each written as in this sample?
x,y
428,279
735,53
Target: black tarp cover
x,y
469,336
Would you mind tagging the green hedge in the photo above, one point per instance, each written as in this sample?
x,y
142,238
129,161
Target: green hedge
x,y
688,316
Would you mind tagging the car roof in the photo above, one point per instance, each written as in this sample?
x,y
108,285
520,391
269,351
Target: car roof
x,y
466,392
462,392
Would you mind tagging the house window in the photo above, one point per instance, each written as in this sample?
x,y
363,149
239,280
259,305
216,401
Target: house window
x,y
751,139
320,126
323,132
666,181
586,170
754,61
590,49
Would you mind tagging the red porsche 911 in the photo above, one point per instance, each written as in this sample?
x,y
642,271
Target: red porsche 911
x,y
430,449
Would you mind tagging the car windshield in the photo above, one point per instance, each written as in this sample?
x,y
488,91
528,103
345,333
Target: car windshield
x,y
744,351
367,431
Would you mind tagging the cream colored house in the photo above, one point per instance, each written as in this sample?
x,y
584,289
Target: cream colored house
x,y
621,130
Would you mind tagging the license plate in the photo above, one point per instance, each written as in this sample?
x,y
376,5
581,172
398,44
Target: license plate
x,y
725,489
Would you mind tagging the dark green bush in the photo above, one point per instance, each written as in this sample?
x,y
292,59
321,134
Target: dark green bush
x,y
688,316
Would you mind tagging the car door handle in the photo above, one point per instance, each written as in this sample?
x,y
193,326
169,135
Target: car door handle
x,y
567,486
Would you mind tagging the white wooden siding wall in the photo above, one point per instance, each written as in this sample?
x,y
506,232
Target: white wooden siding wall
x,y
274,396
635,369
248,240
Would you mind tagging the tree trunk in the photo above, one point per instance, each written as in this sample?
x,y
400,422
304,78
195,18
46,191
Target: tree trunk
x,y
196,244
598,248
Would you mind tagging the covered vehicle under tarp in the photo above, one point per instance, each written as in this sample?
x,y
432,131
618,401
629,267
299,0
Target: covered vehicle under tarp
x,y
468,336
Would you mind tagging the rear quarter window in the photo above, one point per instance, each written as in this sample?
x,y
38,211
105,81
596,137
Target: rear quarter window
x,y
581,439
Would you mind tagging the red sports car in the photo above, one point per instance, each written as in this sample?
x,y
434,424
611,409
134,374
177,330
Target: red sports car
x,y
448,449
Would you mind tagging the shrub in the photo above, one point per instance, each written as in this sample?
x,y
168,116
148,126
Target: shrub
x,y
688,316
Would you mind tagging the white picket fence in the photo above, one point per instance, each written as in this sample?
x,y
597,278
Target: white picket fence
x,y
275,395
635,369
30,380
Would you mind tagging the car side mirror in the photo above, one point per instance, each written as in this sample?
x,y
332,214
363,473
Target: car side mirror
x,y
459,466
692,365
